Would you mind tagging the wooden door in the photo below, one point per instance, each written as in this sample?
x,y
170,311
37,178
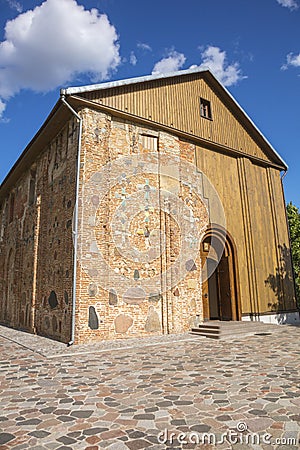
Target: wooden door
x,y
205,294
225,301
210,295
205,300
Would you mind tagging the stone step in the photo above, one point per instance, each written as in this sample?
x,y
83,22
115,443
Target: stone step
x,y
241,329
231,323
230,329
211,336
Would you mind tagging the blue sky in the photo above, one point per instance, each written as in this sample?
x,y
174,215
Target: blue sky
x,y
252,46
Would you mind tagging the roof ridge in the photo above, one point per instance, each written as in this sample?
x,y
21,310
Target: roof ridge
x,y
111,84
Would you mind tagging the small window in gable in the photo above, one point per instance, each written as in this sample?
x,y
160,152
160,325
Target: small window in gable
x,y
205,108
149,142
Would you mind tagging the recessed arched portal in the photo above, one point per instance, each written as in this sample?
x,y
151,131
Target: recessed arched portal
x,y
219,276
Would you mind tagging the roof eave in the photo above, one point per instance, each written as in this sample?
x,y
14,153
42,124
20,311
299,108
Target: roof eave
x,y
57,116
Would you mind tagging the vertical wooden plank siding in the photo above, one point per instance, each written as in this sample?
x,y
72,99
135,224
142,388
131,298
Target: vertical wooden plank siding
x,y
283,245
231,190
255,218
263,238
175,102
249,304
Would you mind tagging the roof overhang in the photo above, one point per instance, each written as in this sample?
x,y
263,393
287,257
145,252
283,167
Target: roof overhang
x,y
54,122
213,82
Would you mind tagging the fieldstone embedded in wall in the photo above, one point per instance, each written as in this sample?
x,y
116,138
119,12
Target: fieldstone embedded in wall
x,y
152,322
95,200
123,323
52,300
93,319
66,297
176,292
93,273
190,265
134,296
93,289
113,297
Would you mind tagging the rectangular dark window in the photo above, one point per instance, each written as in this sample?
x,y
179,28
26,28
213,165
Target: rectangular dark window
x,y
205,108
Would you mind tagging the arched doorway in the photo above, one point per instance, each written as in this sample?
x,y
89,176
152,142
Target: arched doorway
x,y
219,276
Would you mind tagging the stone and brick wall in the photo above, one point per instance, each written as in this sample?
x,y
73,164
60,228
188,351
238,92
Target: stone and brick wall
x,y
36,250
134,273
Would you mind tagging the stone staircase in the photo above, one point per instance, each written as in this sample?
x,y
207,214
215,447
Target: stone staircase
x,y
215,329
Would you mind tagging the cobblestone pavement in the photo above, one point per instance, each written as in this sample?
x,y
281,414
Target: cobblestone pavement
x,y
134,394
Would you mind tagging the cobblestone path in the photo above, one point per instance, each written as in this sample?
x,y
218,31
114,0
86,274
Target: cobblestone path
x,y
158,393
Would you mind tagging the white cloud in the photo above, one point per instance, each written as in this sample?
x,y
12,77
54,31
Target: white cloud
x,y
174,61
52,44
15,5
215,60
144,46
212,58
133,59
291,4
291,60
2,107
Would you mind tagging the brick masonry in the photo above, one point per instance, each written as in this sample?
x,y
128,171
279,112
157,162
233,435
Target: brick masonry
x,y
135,294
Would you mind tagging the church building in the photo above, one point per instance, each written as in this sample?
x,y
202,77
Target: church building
x,y
142,207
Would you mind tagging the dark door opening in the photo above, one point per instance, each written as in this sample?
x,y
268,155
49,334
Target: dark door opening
x,y
219,292
218,287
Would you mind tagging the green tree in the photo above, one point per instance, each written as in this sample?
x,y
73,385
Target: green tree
x,y
293,215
